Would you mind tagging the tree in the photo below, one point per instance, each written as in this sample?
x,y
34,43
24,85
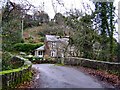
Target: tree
x,y
83,36
82,27
118,52
29,21
41,17
59,18
11,25
104,17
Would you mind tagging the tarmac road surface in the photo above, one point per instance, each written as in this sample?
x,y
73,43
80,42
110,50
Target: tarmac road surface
x,y
54,76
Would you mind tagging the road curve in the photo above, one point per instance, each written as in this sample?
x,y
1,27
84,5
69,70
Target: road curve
x,y
54,76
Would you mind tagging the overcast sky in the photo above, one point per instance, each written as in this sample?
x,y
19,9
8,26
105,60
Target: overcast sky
x,y
68,4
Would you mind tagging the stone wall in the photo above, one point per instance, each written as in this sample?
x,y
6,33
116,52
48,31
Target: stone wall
x,y
107,66
10,78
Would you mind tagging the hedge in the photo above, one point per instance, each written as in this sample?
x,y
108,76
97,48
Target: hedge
x,y
9,61
26,47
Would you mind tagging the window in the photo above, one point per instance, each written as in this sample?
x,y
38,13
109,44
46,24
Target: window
x,y
53,53
54,43
40,53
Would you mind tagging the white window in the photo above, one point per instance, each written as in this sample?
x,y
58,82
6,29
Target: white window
x,y
54,43
53,53
40,53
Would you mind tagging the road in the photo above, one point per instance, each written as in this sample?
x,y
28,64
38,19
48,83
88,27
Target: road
x,y
54,76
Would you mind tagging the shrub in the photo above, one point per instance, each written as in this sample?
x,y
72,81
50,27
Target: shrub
x,y
117,51
41,34
34,58
26,47
37,58
29,57
16,62
10,62
22,40
6,57
46,57
42,39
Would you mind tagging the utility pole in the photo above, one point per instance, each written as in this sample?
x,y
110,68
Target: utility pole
x,y
22,29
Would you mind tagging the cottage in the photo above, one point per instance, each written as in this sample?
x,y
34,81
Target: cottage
x,y
54,46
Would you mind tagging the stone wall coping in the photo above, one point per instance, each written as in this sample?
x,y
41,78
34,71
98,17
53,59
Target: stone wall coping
x,y
106,62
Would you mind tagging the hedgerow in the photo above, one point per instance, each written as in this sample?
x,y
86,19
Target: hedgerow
x,y
26,47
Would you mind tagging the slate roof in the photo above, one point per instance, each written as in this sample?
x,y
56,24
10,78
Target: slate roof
x,y
64,40
52,38
41,48
57,39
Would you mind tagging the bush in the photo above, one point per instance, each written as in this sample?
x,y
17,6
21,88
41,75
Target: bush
x,y
118,52
37,58
47,57
34,58
10,62
29,57
26,47
42,39
16,62
41,34
6,57
22,40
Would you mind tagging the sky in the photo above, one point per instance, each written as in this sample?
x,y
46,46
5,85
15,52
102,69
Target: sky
x,y
68,4
48,8
46,5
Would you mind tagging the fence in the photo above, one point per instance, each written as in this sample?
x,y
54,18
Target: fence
x,y
11,78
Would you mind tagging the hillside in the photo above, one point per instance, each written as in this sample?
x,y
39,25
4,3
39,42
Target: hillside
x,y
36,34
31,34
